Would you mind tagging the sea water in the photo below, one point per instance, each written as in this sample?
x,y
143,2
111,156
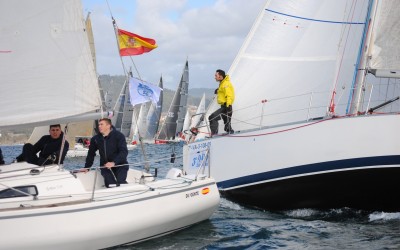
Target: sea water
x,y
234,226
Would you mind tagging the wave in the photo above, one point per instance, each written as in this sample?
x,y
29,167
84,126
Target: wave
x,y
382,216
229,204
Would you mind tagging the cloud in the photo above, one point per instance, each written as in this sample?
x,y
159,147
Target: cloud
x,y
209,35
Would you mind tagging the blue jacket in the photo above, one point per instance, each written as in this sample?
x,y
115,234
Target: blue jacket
x,y
112,148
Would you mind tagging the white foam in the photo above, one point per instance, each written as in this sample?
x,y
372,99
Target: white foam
x,y
229,204
301,213
384,216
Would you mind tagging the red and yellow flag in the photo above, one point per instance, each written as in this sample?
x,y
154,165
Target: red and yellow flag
x,y
131,44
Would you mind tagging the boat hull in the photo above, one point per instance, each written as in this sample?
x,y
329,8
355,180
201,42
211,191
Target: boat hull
x,y
367,188
125,215
328,163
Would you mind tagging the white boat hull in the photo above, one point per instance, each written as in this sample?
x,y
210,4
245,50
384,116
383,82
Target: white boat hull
x,y
127,214
340,162
78,151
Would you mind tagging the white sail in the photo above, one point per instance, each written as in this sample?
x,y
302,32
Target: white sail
x,y
49,79
142,121
199,112
385,52
296,53
186,122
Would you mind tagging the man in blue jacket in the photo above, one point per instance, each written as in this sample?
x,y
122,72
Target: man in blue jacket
x,y
49,147
113,153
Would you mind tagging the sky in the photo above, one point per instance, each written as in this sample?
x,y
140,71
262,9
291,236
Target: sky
x,y
207,33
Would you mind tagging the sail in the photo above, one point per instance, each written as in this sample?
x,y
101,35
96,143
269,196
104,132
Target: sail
x,y
142,121
384,49
153,117
47,72
127,113
123,112
201,109
186,122
176,114
133,131
296,54
89,30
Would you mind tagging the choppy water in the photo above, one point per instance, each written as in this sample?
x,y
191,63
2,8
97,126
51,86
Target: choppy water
x,y
236,227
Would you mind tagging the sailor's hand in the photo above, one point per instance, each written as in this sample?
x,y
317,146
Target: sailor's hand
x,y
109,164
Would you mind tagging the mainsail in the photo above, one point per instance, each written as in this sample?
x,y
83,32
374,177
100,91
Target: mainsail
x,y
56,80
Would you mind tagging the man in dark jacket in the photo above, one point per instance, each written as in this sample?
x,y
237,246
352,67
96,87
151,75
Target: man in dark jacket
x,y
49,147
113,153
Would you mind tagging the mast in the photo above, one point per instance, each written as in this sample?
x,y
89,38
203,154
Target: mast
x,y
361,71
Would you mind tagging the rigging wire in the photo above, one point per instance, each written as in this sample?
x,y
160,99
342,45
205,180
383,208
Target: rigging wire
x,y
127,74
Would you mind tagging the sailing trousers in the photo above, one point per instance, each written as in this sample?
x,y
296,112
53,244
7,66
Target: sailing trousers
x,y
226,114
29,155
115,175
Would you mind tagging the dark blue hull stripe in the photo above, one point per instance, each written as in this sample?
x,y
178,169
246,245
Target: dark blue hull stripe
x,y
355,163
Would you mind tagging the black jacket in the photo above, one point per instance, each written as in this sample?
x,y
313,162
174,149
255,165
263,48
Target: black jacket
x,y
1,158
49,146
112,148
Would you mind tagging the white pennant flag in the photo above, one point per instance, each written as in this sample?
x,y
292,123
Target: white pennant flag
x,y
142,92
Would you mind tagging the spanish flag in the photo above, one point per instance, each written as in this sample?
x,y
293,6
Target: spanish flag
x,y
131,44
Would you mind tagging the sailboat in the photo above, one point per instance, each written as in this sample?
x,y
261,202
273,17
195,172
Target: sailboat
x,y
146,117
153,117
50,79
174,120
125,118
316,113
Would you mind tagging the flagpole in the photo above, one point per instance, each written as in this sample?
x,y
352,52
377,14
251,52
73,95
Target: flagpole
x,y
146,164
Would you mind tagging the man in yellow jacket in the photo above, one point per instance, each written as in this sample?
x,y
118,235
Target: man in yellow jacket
x,y
225,98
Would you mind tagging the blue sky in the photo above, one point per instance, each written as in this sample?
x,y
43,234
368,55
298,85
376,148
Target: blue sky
x,y
208,33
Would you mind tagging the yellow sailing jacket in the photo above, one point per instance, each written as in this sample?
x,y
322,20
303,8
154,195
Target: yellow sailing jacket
x,y
225,93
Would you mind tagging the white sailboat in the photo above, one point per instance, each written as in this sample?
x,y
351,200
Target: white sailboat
x,y
50,79
125,118
313,128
